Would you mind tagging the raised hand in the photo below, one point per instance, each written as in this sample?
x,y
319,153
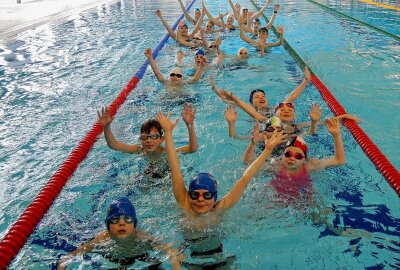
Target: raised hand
x,y
315,112
333,126
165,121
280,29
276,7
104,117
158,12
231,114
277,138
188,113
257,136
147,53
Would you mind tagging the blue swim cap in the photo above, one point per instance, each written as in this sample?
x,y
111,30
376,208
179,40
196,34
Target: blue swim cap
x,y
252,94
199,52
121,207
204,181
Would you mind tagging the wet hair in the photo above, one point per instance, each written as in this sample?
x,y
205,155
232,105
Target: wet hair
x,y
263,29
252,94
149,124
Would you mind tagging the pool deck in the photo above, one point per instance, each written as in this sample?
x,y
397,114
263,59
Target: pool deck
x,y
16,18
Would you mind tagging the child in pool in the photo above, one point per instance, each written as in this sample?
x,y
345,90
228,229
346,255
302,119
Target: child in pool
x,y
123,242
175,79
151,135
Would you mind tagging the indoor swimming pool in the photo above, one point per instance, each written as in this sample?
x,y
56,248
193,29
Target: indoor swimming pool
x,y
54,78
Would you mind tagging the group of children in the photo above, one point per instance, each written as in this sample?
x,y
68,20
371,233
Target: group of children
x,y
275,134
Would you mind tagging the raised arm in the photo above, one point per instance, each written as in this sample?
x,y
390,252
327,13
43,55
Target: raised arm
x,y
315,116
299,89
178,185
216,21
256,15
187,15
256,137
234,10
188,116
339,158
198,26
154,65
199,71
105,121
166,25
236,192
243,35
181,40
83,249
280,29
273,17
231,117
243,105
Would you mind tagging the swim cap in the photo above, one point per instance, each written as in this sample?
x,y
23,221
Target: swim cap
x,y
256,20
298,141
197,9
121,207
252,94
199,52
177,70
230,16
204,181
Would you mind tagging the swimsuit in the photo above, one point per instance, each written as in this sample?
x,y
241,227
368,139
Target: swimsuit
x,y
292,185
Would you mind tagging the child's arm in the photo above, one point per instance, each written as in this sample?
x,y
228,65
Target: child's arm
x,y
210,17
243,35
333,127
280,29
236,192
105,121
167,26
178,185
198,25
256,15
231,117
255,138
83,249
187,15
199,71
188,116
154,65
315,116
235,13
179,58
244,106
272,20
203,38
299,89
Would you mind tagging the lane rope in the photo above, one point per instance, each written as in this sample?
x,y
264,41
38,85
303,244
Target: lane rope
x,y
18,234
382,164
380,5
355,20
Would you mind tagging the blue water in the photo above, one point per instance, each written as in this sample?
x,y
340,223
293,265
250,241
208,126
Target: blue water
x,y
55,77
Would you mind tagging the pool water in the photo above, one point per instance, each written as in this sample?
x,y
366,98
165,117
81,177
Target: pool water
x,y
55,77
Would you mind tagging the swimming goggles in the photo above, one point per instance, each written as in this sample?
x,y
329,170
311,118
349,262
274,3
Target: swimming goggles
x,y
194,195
290,154
272,129
128,220
241,53
287,104
175,75
144,137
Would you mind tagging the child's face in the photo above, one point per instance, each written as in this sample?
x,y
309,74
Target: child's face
x,y
201,205
260,100
121,227
262,34
293,157
286,114
150,144
198,59
184,30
